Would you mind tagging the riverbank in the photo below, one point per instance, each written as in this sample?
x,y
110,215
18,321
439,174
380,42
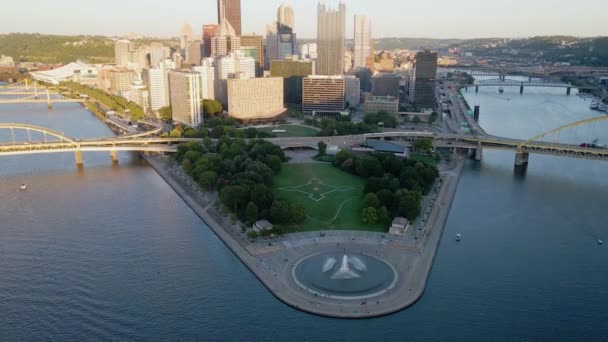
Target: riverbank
x,y
273,261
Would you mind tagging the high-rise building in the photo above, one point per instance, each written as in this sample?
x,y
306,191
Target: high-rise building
x,y
122,49
120,81
348,61
232,9
363,40
285,19
207,72
331,25
194,55
209,31
185,90
323,94
158,53
425,79
158,87
257,42
254,99
387,104
185,37
387,62
352,92
386,85
226,39
292,72
234,65
281,41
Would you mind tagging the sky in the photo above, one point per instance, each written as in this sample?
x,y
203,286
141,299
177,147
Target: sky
x,y
390,18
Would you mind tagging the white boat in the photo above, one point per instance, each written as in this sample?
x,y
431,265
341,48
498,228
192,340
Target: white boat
x,y
23,186
458,237
600,242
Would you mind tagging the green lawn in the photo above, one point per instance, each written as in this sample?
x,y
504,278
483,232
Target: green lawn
x,y
333,199
292,131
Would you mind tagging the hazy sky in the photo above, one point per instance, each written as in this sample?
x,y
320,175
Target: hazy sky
x,y
390,18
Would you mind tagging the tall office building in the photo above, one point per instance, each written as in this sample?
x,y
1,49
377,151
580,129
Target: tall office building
x,y
292,72
425,79
352,91
386,85
158,53
232,9
281,41
209,31
254,99
331,25
121,80
363,40
207,72
226,39
285,19
185,90
256,42
194,54
234,65
158,87
121,52
185,37
323,94
308,51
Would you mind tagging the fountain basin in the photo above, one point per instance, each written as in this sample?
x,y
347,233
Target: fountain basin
x,y
344,275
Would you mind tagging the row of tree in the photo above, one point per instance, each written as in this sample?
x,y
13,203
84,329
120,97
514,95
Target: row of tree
x,y
339,126
394,187
115,103
243,174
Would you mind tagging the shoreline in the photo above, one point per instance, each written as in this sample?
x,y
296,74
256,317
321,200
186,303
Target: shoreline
x,y
272,261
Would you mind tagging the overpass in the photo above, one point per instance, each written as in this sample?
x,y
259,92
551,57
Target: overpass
x,y
534,71
55,142
503,82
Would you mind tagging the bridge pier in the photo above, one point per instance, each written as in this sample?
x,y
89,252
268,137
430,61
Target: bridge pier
x,y
476,114
521,88
522,158
114,156
568,91
466,89
78,157
477,89
530,79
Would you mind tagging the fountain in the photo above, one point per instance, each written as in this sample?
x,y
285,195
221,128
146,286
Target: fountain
x,y
345,276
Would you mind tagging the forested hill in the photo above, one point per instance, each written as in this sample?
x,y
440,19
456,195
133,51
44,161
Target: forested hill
x,y
26,47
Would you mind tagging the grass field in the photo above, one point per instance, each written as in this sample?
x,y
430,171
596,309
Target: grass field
x,y
292,131
333,199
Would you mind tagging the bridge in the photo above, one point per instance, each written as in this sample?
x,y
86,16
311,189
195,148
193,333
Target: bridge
x,y
55,142
534,71
30,93
503,82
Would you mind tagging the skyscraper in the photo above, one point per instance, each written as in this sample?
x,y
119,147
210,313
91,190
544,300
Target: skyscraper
x,y
226,39
158,53
209,31
425,79
330,39
121,52
256,42
194,54
285,19
185,37
363,40
158,87
185,97
232,10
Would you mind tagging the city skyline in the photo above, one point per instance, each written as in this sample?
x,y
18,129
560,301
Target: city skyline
x,y
449,20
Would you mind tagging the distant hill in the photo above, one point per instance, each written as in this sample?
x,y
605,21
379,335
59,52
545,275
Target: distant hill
x,y
26,47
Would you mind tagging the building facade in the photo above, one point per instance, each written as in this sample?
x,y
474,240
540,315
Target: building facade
x,y
292,72
226,39
185,37
376,104
158,88
120,81
425,79
121,53
207,74
386,85
194,55
352,92
362,41
257,42
323,94
185,94
209,31
255,99
331,24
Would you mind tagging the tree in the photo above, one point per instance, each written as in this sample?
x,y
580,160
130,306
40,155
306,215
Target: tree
x,y
251,212
274,162
175,133
416,120
207,180
342,156
409,205
369,167
371,201
383,215
280,213
322,148
262,196
212,107
166,114
423,145
369,216
235,197
187,166
433,117
386,197
262,170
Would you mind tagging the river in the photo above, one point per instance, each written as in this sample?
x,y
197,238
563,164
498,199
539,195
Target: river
x,y
112,253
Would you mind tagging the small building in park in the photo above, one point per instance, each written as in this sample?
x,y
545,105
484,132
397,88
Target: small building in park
x,y
262,226
399,226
